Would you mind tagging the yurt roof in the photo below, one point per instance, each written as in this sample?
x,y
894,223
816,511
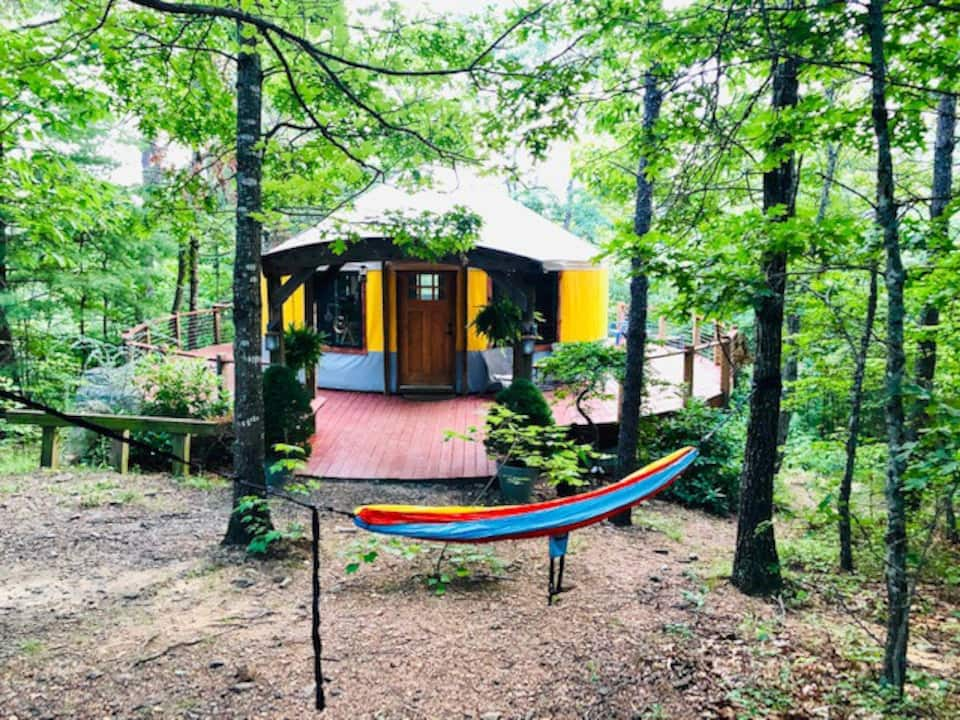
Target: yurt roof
x,y
508,226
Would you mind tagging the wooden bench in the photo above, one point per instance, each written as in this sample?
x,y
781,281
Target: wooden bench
x,y
180,430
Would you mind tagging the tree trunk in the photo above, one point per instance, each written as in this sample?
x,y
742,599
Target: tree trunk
x,y
248,454
633,380
898,595
791,366
853,428
756,567
6,334
177,303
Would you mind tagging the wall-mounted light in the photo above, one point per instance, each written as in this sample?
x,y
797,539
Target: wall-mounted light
x,y
363,272
528,338
271,341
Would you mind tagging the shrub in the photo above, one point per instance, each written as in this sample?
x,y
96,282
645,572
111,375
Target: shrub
x,y
288,417
525,398
712,483
180,387
303,347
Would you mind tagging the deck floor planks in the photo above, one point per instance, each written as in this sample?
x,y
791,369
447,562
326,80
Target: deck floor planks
x,y
367,435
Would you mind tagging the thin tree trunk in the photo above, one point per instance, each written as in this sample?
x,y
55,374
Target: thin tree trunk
x,y
193,297
791,366
568,210
633,381
926,364
248,454
177,303
6,334
853,428
756,567
898,595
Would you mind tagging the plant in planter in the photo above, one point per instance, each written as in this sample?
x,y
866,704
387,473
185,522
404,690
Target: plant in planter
x,y
582,369
524,451
501,321
288,418
303,348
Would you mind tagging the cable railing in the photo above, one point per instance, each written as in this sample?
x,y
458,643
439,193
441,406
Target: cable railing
x,y
195,333
711,341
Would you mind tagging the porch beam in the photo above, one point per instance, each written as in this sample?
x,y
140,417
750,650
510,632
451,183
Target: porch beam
x,y
383,250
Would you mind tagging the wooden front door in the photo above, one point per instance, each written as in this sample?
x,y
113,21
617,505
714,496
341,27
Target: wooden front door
x,y
425,317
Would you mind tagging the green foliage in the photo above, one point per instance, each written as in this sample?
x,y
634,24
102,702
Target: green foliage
x,y
500,321
712,483
174,386
456,562
523,397
288,417
583,369
302,347
511,440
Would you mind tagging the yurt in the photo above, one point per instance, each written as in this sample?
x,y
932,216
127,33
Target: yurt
x,y
395,324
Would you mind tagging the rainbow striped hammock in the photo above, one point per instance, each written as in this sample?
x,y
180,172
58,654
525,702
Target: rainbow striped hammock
x,y
553,518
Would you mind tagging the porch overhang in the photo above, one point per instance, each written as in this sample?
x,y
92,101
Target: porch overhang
x,y
294,260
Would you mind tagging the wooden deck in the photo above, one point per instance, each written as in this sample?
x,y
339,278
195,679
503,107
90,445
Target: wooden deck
x,y
372,436
366,436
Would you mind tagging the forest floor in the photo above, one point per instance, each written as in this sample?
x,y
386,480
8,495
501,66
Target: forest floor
x,y
116,600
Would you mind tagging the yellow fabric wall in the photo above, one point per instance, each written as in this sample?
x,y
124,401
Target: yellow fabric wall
x,y
294,308
478,289
373,319
583,305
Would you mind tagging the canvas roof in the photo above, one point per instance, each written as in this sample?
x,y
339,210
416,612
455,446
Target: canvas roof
x,y
508,226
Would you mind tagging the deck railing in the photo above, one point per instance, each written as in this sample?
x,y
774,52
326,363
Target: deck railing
x,y
184,334
666,340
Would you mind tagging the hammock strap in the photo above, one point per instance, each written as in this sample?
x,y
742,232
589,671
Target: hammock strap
x,y
558,554
315,629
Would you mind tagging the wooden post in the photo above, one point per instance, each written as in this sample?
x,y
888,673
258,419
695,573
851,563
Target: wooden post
x,y
50,448
120,453
181,448
146,331
465,324
689,353
726,371
717,340
661,328
217,330
385,310
178,330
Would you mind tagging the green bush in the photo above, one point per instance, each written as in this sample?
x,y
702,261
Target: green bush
x,y
288,417
180,387
173,386
525,398
712,483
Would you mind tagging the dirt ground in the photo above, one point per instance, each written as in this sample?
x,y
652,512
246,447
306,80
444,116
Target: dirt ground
x,y
116,601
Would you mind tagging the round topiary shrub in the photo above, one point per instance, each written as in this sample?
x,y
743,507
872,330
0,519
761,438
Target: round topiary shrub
x,y
288,417
525,398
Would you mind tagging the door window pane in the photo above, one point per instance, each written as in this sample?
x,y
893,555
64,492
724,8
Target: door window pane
x,y
427,286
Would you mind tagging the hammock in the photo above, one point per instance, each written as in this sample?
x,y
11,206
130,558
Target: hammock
x,y
553,518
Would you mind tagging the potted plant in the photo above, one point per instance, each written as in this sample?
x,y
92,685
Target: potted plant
x,y
302,350
288,420
501,321
526,443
